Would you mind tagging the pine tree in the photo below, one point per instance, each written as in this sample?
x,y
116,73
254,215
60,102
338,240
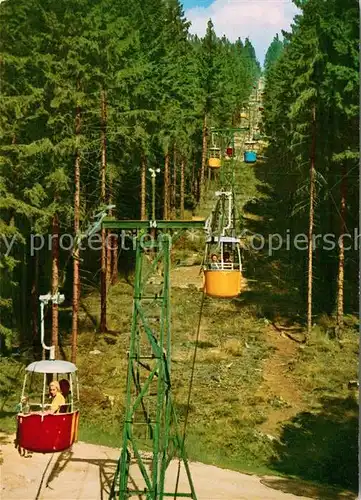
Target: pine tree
x,y
317,66
273,53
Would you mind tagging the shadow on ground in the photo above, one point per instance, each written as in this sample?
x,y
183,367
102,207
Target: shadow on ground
x,y
300,488
267,302
106,468
321,446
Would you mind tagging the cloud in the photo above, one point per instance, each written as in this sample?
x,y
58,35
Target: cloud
x,y
259,20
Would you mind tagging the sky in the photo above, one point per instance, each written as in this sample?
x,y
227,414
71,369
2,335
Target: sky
x,y
259,20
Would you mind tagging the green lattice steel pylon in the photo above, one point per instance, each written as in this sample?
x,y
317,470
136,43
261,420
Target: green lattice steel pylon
x,y
151,438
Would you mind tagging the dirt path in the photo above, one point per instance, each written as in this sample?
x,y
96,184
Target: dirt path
x,y
279,387
86,473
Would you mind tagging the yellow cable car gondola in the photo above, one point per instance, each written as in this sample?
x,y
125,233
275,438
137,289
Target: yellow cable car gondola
x,y
223,267
214,160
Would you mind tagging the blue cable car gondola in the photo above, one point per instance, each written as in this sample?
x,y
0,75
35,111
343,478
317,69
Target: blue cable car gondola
x,y
250,153
250,156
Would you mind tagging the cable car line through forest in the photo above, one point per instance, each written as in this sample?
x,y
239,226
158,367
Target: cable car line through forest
x,y
56,430
152,340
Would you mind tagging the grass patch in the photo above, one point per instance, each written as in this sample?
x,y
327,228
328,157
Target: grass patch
x,y
92,432
11,379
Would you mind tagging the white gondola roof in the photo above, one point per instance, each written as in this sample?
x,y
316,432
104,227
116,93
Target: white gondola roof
x,y
51,366
222,239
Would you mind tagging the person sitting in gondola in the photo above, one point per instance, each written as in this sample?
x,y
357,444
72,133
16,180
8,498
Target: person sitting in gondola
x,y
57,399
228,264
65,390
227,257
214,261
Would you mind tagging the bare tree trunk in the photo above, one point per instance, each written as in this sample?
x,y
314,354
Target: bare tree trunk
x,y
14,308
112,255
311,224
114,275
174,186
55,283
166,188
194,178
34,300
111,243
204,158
182,190
76,252
341,255
143,188
24,296
112,248
109,248
103,272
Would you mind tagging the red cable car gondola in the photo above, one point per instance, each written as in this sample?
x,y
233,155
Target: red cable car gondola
x,y
37,429
43,427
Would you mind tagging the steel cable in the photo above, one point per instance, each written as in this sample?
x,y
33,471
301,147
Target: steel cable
x,y
190,389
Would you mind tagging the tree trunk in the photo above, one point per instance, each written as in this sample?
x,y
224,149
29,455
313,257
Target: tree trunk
x,y
182,190
76,252
112,251
114,275
194,178
103,167
204,159
35,302
311,224
109,250
166,188
143,188
112,260
24,297
174,186
341,255
55,284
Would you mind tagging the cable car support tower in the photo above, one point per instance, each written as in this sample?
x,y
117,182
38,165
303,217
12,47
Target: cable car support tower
x,y
151,437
